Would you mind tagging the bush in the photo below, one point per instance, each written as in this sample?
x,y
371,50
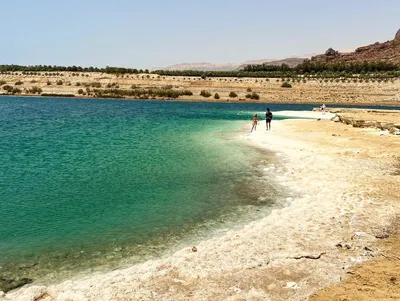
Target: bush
x,y
78,84
35,90
80,91
7,88
253,95
33,81
18,83
2,82
216,96
48,83
16,91
59,82
248,90
286,85
205,93
232,94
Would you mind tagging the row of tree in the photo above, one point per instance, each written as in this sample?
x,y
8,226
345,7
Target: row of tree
x,y
262,70
49,68
308,67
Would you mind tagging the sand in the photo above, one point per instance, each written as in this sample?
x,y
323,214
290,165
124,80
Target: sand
x,y
315,91
343,184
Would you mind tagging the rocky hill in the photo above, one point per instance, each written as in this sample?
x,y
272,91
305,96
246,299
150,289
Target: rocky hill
x,y
292,62
387,51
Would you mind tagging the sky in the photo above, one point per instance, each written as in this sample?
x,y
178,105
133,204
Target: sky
x,y
157,33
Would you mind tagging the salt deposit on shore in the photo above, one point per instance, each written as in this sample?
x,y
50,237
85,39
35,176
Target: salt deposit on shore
x,y
342,182
305,114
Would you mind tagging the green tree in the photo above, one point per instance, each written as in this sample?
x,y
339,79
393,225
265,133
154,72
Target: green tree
x,y
286,85
232,94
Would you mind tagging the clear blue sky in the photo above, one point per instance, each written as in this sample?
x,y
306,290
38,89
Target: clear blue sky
x,y
152,33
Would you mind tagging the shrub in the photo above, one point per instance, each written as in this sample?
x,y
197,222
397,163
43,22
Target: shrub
x,y
286,85
232,94
78,84
205,93
35,90
2,82
248,90
253,95
7,88
18,83
16,91
48,83
59,82
33,81
216,96
80,91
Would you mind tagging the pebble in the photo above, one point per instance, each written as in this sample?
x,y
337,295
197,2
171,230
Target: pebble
x,y
382,236
293,285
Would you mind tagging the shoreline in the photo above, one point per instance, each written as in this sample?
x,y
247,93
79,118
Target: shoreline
x,y
292,252
200,100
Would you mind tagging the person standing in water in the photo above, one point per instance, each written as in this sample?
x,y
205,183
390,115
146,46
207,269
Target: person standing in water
x,y
268,118
255,122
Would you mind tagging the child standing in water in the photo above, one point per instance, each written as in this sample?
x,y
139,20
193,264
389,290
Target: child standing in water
x,y
255,122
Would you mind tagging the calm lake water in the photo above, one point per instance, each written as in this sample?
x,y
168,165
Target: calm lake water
x,y
85,183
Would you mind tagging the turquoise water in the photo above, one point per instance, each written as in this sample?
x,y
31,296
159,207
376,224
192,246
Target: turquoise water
x,y
86,182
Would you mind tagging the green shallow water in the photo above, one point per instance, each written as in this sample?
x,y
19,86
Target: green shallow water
x,y
88,183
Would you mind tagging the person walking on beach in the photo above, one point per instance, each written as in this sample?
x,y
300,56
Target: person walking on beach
x,y
323,108
255,122
268,118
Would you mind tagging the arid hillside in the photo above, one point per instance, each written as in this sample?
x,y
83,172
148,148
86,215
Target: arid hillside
x,y
387,51
266,90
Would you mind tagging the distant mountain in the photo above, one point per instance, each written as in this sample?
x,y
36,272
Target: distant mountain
x,y
387,51
293,61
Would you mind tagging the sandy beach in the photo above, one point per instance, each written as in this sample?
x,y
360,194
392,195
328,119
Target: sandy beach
x,y
344,184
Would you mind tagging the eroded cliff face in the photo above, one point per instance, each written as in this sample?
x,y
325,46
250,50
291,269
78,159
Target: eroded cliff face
x,y
387,51
397,36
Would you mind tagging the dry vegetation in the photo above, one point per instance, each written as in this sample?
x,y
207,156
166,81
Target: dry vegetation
x,y
305,90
